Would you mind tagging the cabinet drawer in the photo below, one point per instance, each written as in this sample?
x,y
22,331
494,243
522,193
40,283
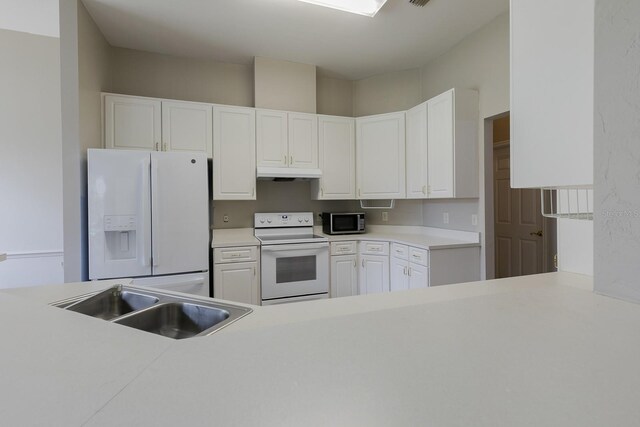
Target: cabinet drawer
x,y
419,256
343,248
374,248
235,254
400,251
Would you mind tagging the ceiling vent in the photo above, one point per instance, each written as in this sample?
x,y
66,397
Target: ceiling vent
x,y
418,2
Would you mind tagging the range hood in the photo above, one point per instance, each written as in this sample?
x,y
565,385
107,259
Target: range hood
x,y
287,174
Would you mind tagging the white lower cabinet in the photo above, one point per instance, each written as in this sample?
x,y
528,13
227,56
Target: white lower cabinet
x,y
373,276
409,267
233,280
344,275
344,269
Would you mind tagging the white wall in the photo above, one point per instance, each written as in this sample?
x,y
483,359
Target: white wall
x,y
30,16
31,211
617,149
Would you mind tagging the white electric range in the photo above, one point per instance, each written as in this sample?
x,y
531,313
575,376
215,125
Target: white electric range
x,y
294,261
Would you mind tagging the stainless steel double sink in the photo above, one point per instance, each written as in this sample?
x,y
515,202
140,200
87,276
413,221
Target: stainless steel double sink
x,y
156,312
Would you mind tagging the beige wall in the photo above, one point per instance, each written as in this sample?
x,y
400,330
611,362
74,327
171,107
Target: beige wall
x,y
141,73
386,93
334,96
273,196
94,75
284,85
31,206
480,62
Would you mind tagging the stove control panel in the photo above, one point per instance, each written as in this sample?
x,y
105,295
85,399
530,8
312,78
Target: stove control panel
x,y
273,220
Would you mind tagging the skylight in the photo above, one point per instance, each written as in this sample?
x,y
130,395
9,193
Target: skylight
x,y
361,7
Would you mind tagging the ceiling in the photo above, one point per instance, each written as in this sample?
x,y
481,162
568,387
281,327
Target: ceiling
x,y
400,36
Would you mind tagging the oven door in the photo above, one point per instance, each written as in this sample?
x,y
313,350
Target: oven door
x,y
292,270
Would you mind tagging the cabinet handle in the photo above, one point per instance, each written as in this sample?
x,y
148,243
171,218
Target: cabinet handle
x,y
404,271
285,159
409,271
424,189
290,160
363,263
157,146
359,193
253,192
354,263
321,191
164,148
254,271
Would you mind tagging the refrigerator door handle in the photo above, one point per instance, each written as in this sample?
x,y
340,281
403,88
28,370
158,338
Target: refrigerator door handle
x,y
144,241
154,213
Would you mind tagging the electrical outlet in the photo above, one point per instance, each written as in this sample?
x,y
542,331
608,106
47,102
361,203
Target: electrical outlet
x,y
225,218
385,216
445,218
474,219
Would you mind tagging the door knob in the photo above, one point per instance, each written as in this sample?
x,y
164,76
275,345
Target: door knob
x,y
536,233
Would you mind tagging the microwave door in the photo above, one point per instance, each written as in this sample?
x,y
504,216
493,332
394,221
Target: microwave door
x,y
344,223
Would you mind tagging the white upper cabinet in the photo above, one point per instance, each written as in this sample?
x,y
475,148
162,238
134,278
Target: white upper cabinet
x,y
132,122
234,153
272,138
287,139
452,145
187,126
380,156
417,176
552,72
303,140
337,159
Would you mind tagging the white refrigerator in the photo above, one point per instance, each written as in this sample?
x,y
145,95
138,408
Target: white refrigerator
x,y
148,218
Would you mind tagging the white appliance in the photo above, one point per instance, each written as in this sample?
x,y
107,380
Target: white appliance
x,y
294,261
148,218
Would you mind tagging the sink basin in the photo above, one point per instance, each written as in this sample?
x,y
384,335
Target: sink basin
x,y
175,320
168,314
113,303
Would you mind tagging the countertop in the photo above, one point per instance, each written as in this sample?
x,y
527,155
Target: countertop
x,y
528,351
422,237
229,237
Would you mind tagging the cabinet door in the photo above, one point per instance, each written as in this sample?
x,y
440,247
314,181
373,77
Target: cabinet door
x,y
399,275
344,276
417,178
440,136
552,95
418,276
132,123
337,159
374,274
187,126
236,282
380,154
303,140
234,153
271,138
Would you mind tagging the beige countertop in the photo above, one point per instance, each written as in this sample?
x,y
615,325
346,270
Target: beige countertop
x,y
422,237
528,351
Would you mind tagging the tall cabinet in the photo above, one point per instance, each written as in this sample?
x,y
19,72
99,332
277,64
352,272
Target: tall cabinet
x,y
442,147
552,94
337,159
380,156
234,153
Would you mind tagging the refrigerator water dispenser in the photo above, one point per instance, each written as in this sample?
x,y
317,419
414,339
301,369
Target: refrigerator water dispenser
x,y
120,236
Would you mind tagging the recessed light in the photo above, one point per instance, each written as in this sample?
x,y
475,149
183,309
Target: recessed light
x,y
360,7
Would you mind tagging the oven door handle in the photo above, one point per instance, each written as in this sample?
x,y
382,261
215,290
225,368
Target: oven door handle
x,y
294,247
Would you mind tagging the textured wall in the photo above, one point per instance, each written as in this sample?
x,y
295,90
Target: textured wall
x,y
617,149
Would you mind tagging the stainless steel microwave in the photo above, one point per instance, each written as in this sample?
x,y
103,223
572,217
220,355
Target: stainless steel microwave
x,y
342,223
